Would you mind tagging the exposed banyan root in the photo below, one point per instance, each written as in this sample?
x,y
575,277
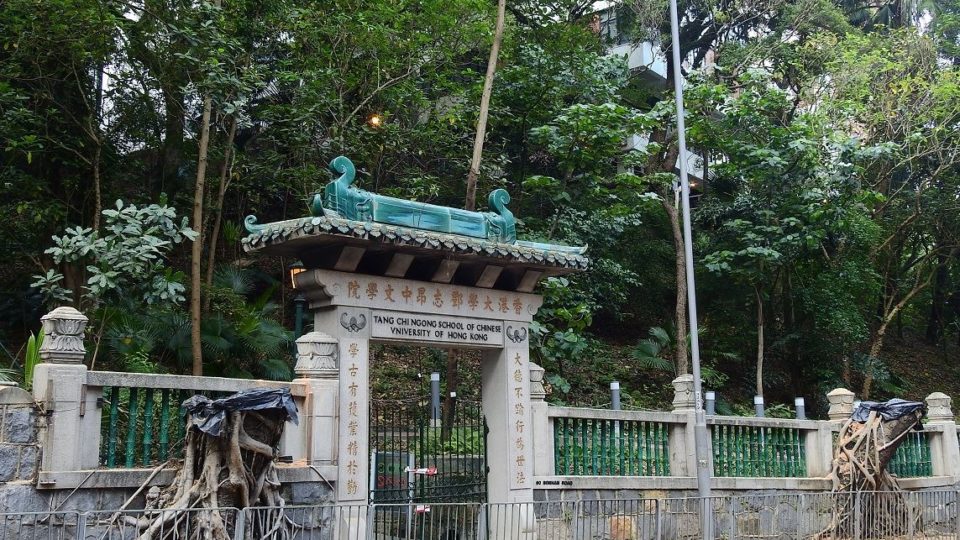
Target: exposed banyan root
x,y
859,469
234,470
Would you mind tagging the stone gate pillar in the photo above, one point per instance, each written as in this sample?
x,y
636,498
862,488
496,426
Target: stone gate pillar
x,y
350,327
944,448
58,384
317,368
506,405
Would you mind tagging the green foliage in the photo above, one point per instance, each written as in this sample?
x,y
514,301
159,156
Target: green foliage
x,y
655,354
780,410
463,441
31,358
127,258
559,335
652,353
773,410
830,199
240,336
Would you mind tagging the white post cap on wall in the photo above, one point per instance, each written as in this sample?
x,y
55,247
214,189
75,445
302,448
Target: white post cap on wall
x,y
841,404
683,399
63,336
939,407
537,390
317,356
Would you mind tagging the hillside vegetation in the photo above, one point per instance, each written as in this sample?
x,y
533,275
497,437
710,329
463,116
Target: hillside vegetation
x,y
136,136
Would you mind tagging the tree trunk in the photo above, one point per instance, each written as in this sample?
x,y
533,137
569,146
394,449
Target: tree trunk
x,y
790,325
759,294
226,169
876,345
197,248
93,128
470,203
681,360
169,165
471,200
450,400
937,301
665,161
97,187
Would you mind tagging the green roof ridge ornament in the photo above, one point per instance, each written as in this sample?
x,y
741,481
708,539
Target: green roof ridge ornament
x,y
347,201
340,198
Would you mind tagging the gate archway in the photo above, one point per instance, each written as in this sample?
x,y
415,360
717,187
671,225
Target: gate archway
x,y
382,270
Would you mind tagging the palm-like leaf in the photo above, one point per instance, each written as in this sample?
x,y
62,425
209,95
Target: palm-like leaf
x,y
650,352
276,369
8,375
661,335
647,348
216,336
653,363
243,339
236,280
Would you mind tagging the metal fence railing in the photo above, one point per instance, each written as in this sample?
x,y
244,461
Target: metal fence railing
x,y
141,424
403,436
126,524
41,525
141,427
758,451
912,458
853,516
606,447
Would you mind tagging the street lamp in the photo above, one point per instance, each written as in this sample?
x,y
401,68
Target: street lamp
x,y
700,433
299,300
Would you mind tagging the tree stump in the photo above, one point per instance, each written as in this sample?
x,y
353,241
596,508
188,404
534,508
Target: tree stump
x,y
230,455
875,506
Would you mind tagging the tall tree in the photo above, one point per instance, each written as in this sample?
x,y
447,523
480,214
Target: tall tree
x,y
471,200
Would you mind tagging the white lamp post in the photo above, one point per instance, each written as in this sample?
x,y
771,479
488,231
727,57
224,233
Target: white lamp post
x,y
700,434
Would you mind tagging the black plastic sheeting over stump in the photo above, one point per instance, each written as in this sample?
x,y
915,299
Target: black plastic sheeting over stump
x,y
887,410
210,415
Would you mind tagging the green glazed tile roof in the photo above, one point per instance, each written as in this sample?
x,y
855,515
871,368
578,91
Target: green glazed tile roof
x,y
275,234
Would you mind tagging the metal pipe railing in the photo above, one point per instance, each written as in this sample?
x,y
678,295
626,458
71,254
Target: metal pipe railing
x,y
855,516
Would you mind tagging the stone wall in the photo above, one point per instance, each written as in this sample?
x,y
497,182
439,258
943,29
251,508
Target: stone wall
x,y
19,449
19,496
21,421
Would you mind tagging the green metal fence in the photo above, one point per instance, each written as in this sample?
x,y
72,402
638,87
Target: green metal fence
x,y
601,447
142,427
758,451
912,458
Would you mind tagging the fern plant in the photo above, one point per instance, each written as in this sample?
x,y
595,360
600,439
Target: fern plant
x,y
655,353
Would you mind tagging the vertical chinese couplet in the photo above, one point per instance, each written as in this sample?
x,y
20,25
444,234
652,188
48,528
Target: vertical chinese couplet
x,y
518,424
353,454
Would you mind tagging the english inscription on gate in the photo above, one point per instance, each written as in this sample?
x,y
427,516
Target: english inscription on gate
x,y
392,325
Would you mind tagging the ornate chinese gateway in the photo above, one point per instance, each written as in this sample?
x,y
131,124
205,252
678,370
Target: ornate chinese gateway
x,y
386,270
